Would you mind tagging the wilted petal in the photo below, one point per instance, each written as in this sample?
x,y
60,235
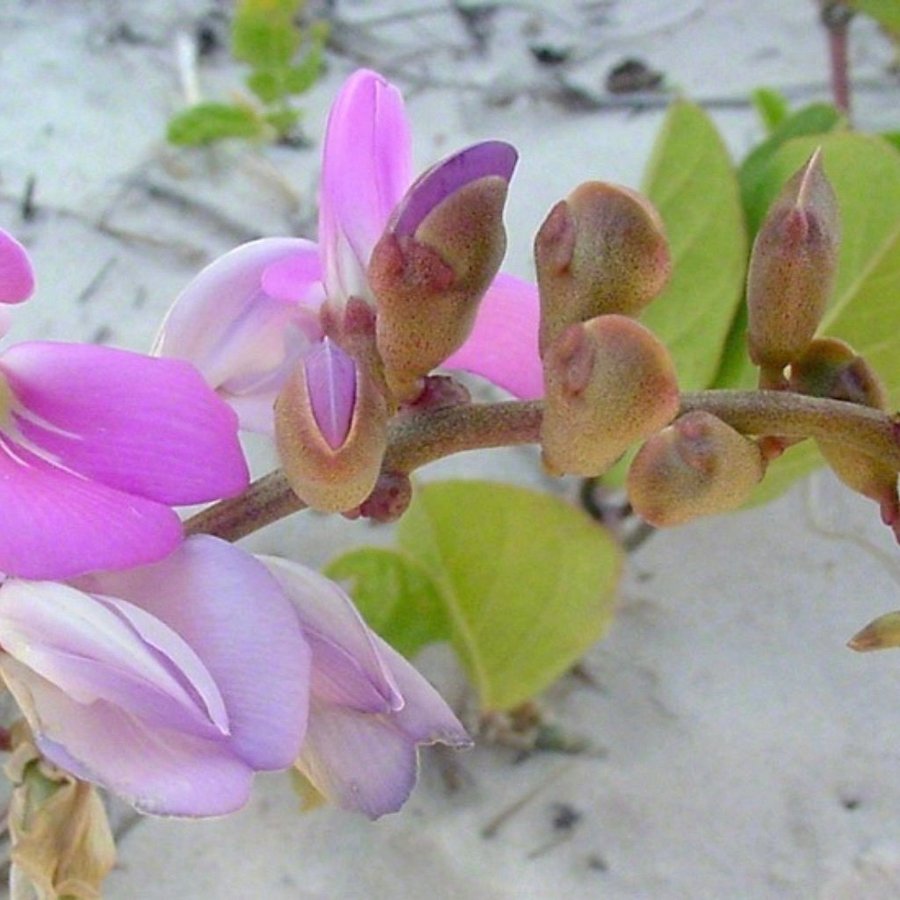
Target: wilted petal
x,y
348,669
366,167
150,427
56,525
159,771
246,319
230,610
448,176
503,345
331,381
95,648
16,274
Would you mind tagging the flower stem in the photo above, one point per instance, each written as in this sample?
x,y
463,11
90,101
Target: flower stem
x,y
415,439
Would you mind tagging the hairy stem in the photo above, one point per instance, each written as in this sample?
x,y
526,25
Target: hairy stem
x,y
415,439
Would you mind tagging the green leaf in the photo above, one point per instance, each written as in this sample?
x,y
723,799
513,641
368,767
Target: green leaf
x,y
267,84
754,174
691,181
209,122
283,120
885,12
528,581
300,78
263,33
771,107
395,595
892,137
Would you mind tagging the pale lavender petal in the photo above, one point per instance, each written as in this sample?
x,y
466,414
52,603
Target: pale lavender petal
x,y
503,345
348,669
448,176
234,615
150,427
331,382
56,525
366,167
89,649
159,771
246,319
16,273
425,717
360,762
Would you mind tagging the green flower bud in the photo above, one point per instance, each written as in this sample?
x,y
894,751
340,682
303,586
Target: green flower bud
x,y
792,268
602,250
698,466
880,634
609,383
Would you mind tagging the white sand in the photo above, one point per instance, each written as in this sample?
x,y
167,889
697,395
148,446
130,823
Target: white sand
x,y
740,749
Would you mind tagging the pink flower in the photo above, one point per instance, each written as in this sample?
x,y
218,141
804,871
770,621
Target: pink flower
x,y
250,316
369,708
172,683
169,684
96,445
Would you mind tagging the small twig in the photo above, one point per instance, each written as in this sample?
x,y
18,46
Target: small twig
x,y
498,821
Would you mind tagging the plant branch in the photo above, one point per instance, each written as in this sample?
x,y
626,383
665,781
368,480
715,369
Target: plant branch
x,y
416,439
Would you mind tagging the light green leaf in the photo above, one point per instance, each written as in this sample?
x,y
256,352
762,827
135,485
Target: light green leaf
x,y
692,182
263,33
771,107
395,595
267,84
528,580
885,12
206,123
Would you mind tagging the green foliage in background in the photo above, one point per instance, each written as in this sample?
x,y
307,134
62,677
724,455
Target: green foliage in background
x,y
284,61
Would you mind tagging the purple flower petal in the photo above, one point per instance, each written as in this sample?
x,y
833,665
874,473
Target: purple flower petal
x,y
448,176
331,382
146,426
503,345
366,167
16,274
87,648
246,319
56,525
348,669
359,762
159,771
233,614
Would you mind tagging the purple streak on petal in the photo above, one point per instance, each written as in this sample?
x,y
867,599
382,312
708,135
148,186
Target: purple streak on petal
x,y
57,525
230,610
147,426
243,339
331,382
160,772
348,669
448,176
84,646
16,274
503,345
360,762
366,167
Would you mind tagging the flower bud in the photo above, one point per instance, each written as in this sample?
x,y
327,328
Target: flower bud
x,y
434,262
698,466
880,634
609,382
601,250
331,429
792,268
831,368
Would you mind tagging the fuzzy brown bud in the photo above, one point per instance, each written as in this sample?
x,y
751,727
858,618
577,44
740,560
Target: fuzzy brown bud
x,y
331,465
436,260
609,383
698,466
792,269
601,250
